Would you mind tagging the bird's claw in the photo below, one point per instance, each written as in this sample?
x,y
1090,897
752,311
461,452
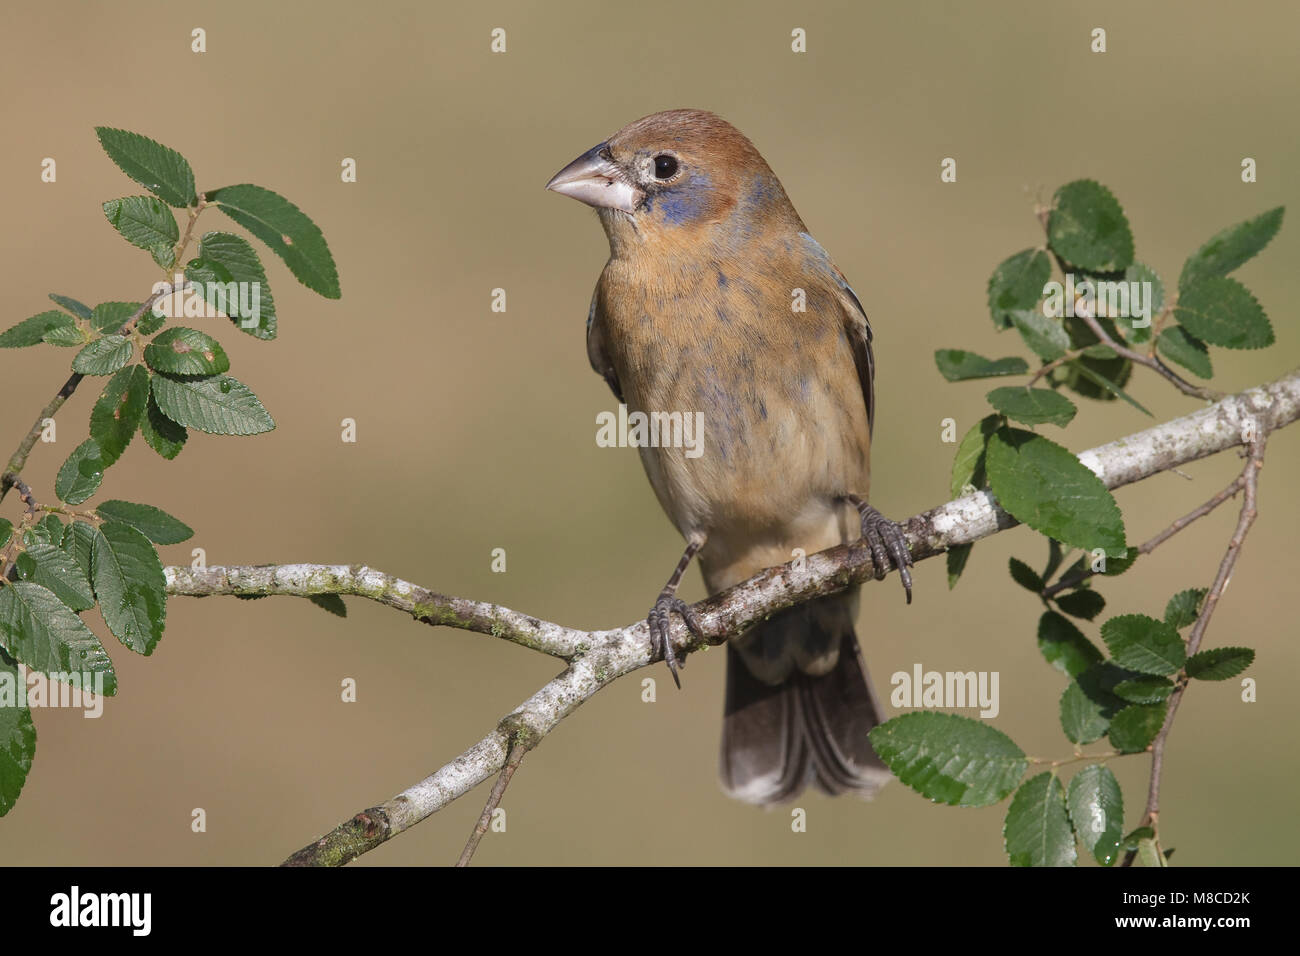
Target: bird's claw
x,y
888,546
660,642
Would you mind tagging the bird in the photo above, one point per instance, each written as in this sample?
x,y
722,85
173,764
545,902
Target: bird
x,y
716,300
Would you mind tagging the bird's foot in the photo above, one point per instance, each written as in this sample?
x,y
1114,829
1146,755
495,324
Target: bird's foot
x,y
659,620
888,544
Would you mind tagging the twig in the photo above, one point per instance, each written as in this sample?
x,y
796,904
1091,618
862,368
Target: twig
x,y
516,757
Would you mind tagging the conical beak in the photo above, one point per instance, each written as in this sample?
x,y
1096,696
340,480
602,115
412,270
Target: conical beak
x,y
595,179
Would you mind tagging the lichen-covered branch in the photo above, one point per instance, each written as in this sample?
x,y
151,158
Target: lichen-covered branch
x,y
598,658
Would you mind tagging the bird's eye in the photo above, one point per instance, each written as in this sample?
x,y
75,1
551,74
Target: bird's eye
x,y
665,166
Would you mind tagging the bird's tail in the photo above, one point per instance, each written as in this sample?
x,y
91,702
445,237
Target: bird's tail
x,y
799,705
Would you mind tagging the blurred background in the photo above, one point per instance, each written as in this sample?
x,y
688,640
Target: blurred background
x,y
476,429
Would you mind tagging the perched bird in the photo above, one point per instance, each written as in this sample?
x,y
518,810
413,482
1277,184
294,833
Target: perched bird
x,y
716,299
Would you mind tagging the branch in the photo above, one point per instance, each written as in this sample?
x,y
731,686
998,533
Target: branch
x,y
597,658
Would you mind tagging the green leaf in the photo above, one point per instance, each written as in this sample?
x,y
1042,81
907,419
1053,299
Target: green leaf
x,y
1037,828
6,531
80,475
109,317
1046,337
42,632
1046,487
1154,302
49,529
219,406
1064,646
161,433
143,221
1087,228
79,309
1087,380
118,411
104,356
1085,603
1017,284
286,230
66,336
1083,720
330,602
32,331
162,171
1032,406
225,258
1184,607
950,759
1219,663
1143,644
182,351
51,567
1230,248
79,543
956,561
1179,345
1134,727
17,742
1131,840
1025,576
1096,806
957,365
968,466
1113,567
1149,854
154,523
129,584
150,323
1223,312
1144,690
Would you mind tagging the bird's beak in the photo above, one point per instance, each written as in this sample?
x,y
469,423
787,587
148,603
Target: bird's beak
x,y
597,181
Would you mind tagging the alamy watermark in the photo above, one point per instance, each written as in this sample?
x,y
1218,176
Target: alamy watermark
x,y
651,430
210,300
29,688
1100,298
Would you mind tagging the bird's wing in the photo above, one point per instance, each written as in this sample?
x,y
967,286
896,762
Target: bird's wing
x,y
859,332
596,353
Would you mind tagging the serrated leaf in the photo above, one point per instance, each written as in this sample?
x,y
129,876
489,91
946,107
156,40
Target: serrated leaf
x,y
80,475
1131,840
1088,381
1230,248
286,230
1037,827
1096,806
143,221
1219,663
1025,576
1143,644
330,602
1046,487
1223,312
182,351
950,759
1113,567
161,433
32,331
1134,727
109,317
219,406
1032,406
154,523
66,336
1085,603
118,411
1017,283
17,741
224,258
150,323
1144,690
1083,720
79,543
1087,228
129,584
49,529
957,365
104,356
41,632
1046,337
6,531
1153,295
968,465
79,309
162,171
1179,345
53,568
956,562
1184,607
1064,646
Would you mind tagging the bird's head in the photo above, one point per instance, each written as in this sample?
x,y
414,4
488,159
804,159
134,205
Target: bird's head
x,y
677,182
